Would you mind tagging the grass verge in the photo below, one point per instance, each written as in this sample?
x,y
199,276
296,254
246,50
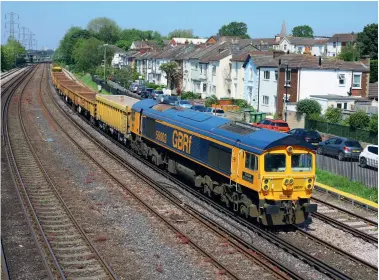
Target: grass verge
x,y
344,184
87,80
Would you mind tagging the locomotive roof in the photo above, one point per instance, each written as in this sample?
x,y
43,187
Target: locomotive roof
x,y
245,136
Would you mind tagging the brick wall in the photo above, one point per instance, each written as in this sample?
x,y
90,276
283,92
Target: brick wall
x,y
292,90
364,85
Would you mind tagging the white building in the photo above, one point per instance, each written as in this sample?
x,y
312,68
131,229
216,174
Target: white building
x,y
338,41
336,101
301,45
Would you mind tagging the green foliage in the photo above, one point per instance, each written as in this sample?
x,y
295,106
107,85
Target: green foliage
x,y
333,115
189,95
124,76
128,36
181,33
308,107
87,54
234,29
349,53
12,54
211,100
373,124
170,68
368,40
302,31
151,85
104,29
99,71
66,45
317,117
242,103
373,71
359,120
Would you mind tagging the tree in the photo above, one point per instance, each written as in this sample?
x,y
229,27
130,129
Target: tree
x,y
373,125
367,40
308,107
181,33
104,29
349,53
66,45
234,29
373,71
124,76
12,54
170,68
359,120
211,100
302,31
87,54
189,95
333,115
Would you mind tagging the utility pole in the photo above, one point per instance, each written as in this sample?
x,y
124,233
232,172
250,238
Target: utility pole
x,y
285,113
31,35
10,25
105,58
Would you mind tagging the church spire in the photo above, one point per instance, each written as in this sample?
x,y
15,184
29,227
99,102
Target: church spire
x,y
283,32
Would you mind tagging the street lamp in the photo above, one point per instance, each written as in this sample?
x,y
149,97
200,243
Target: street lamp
x,y
105,54
285,113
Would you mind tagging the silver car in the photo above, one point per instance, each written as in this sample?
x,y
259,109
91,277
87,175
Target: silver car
x,y
340,147
184,104
216,112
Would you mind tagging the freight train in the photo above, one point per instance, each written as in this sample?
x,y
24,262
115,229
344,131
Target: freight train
x,y
261,174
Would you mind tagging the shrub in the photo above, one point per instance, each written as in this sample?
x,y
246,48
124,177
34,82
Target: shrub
x,y
242,103
211,100
152,85
189,95
373,124
308,107
317,117
359,120
333,115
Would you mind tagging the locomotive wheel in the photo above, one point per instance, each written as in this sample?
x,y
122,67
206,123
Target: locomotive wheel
x,y
244,211
207,190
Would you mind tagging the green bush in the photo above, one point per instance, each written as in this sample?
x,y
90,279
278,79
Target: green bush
x,y
308,107
359,120
211,100
333,115
152,85
373,124
189,95
317,117
242,103
373,71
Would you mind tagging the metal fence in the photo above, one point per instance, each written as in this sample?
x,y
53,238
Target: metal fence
x,y
343,131
114,88
350,169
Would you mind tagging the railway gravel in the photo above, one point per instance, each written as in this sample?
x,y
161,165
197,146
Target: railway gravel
x,y
133,241
288,260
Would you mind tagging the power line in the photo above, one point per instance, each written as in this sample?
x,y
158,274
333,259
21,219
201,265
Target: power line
x,y
10,25
25,37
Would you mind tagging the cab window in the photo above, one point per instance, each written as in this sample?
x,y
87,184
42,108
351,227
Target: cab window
x,y
301,162
275,162
251,162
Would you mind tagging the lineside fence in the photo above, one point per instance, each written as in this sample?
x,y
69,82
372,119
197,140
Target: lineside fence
x,y
114,88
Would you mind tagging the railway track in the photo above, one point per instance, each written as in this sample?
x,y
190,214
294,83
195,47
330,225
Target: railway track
x,y
110,163
10,72
348,221
272,237
69,252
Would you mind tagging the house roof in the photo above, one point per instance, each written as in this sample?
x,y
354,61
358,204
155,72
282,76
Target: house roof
x,y
195,41
263,41
312,62
145,44
177,52
373,90
343,37
336,97
219,52
243,55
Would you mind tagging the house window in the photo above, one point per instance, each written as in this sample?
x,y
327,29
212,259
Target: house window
x,y
201,69
251,74
250,90
266,75
150,64
334,54
265,100
341,78
300,50
276,75
214,89
288,78
339,105
320,49
334,44
357,81
236,69
235,89
285,47
214,70
204,87
345,106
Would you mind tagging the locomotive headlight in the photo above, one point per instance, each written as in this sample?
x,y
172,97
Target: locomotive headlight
x,y
309,187
265,187
286,182
266,181
309,180
289,149
291,181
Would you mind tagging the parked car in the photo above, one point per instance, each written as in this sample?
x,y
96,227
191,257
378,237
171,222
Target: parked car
x,y
216,112
147,93
340,147
369,156
133,87
278,125
140,89
310,136
170,99
184,104
156,93
199,108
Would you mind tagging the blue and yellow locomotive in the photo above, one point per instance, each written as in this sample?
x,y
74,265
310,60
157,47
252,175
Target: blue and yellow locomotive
x,y
262,174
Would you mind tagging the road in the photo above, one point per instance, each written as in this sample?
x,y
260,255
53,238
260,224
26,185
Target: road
x,y
349,169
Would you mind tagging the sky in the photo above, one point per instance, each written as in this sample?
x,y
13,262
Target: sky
x,y
50,20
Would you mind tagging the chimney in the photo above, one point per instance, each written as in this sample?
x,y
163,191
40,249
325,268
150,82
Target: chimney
x,y
365,59
277,53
